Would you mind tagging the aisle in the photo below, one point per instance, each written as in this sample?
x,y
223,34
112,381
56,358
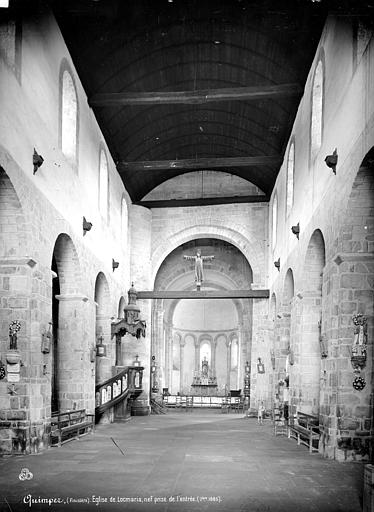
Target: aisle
x,y
182,462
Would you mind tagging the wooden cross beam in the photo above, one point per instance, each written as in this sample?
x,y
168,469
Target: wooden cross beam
x,y
121,99
205,294
200,163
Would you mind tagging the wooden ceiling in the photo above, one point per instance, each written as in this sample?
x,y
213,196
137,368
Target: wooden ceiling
x,y
185,85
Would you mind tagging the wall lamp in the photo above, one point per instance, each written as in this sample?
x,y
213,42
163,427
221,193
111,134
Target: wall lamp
x,y
86,226
332,160
296,230
37,161
115,264
277,264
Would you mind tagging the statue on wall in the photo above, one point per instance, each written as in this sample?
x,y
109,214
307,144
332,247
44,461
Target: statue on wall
x,y
199,274
205,367
360,335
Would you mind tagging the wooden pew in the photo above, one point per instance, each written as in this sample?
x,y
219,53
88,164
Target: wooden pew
x,y
69,425
305,428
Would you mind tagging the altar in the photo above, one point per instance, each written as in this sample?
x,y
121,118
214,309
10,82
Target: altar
x,y
204,383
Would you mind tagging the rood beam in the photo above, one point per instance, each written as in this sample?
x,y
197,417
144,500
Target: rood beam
x,y
205,294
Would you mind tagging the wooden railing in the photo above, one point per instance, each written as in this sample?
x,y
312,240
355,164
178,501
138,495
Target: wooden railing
x,y
127,383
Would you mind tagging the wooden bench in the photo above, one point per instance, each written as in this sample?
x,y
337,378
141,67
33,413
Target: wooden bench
x,y
305,428
69,425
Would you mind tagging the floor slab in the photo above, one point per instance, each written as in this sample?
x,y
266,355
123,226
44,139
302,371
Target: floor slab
x,y
201,461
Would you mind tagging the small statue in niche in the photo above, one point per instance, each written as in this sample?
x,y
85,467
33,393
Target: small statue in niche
x,y
360,335
260,366
205,367
14,327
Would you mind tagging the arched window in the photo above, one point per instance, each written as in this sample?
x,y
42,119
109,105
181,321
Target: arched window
x,y
205,351
290,177
69,117
274,221
234,354
317,109
124,220
103,185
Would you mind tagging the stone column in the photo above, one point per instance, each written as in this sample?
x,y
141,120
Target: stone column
x,y
214,349
228,367
168,355
182,344
240,371
141,236
197,355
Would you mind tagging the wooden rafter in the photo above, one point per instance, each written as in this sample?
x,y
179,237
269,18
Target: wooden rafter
x,y
122,99
199,163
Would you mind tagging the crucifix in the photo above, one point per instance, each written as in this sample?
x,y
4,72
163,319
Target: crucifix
x,y
199,275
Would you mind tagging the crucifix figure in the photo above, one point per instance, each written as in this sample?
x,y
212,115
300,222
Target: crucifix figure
x,y
199,275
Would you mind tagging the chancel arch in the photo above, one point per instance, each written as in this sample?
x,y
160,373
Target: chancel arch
x,y
209,333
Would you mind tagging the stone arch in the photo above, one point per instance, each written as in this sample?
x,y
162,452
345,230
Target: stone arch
x,y
228,234
288,287
307,346
103,327
69,352
283,339
15,239
67,264
121,306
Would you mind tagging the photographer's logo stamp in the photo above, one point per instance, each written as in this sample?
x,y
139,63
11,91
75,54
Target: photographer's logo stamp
x,y
25,474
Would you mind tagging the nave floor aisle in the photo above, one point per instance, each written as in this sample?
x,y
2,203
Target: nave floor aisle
x,y
199,461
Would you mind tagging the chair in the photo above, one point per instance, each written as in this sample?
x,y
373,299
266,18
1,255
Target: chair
x,y
239,404
225,407
189,403
178,402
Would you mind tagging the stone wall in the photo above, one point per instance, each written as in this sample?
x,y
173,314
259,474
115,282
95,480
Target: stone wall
x,y
340,207
41,217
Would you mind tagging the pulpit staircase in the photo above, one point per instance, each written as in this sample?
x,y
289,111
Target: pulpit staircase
x,y
119,391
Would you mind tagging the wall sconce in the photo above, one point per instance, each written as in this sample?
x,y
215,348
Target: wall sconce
x,y
296,230
37,161
260,366
136,362
114,264
100,348
86,226
277,264
332,160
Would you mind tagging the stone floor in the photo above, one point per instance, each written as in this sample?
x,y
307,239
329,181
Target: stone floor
x,y
196,461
